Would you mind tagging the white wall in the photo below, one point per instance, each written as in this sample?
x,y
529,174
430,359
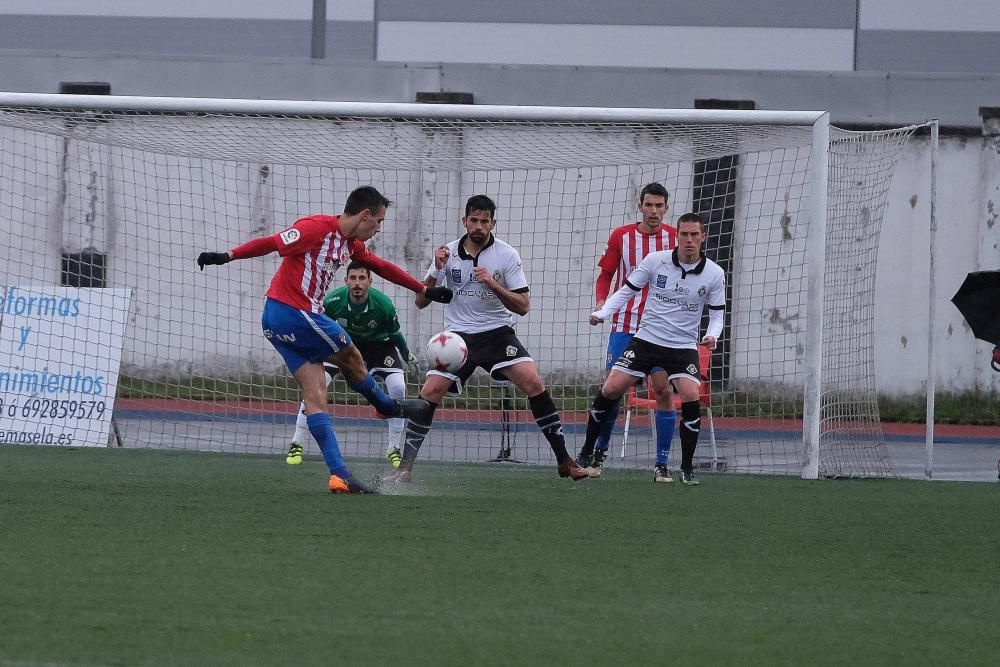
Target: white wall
x,y
161,211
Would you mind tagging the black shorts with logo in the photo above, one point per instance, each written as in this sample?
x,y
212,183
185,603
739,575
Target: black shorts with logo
x,y
492,350
381,359
641,357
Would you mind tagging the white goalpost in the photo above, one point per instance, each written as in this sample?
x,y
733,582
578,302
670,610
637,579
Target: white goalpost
x,y
107,201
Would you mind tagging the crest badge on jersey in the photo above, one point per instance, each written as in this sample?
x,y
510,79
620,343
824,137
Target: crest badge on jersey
x,y
661,281
702,291
456,276
497,275
290,236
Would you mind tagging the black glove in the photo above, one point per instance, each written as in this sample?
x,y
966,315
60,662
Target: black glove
x,y
439,294
213,258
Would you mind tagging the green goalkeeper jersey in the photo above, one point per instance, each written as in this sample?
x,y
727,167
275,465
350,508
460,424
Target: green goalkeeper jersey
x,y
373,321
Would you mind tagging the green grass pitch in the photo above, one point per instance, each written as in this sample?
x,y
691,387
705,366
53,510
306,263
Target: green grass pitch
x,y
176,558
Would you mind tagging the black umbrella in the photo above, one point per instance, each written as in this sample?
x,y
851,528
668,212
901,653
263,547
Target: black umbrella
x,y
978,299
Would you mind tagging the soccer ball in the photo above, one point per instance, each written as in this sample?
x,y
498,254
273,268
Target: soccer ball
x,y
447,352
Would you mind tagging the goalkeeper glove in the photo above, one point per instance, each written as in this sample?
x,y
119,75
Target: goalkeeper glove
x,y
439,294
213,258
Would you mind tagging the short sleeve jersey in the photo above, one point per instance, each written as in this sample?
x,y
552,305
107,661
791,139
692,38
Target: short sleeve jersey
x,y
677,298
374,321
475,307
627,246
312,250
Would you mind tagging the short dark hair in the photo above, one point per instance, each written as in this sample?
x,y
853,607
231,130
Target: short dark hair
x,y
654,189
691,217
356,265
365,198
481,203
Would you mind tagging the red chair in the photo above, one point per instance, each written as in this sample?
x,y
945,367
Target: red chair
x,y
633,402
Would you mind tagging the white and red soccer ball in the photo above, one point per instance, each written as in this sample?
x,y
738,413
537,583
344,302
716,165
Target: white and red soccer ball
x,y
446,352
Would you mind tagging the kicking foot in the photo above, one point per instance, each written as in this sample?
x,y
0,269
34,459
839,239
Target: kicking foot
x,y
350,485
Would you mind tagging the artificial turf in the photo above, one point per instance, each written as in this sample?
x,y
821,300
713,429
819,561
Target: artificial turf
x,y
179,558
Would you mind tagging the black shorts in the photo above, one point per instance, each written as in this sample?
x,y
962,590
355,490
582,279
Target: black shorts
x,y
381,359
492,350
641,358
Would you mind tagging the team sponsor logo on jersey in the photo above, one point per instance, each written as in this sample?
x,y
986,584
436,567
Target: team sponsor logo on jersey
x,y
661,281
290,236
456,276
692,369
702,291
629,354
511,351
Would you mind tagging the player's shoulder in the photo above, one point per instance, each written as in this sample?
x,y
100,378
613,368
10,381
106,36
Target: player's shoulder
x,y
336,294
318,219
618,232
668,230
504,247
659,257
713,270
379,297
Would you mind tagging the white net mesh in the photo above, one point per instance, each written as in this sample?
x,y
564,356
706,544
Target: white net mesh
x,y
126,200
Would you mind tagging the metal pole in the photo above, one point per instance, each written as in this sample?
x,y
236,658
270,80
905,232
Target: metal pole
x,y
816,287
931,308
319,29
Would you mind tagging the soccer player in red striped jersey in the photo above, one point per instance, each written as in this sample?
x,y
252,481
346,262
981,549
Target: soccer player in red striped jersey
x,y
294,321
627,246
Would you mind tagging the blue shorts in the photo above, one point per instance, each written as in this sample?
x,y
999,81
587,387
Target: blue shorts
x,y
617,342
300,336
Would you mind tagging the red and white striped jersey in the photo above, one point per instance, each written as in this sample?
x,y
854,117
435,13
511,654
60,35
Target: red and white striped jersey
x,y
627,246
312,250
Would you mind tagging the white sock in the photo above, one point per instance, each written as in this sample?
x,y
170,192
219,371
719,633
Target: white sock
x,y
302,435
395,383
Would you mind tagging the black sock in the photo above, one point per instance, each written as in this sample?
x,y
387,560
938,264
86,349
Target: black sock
x,y
413,438
689,428
600,410
543,409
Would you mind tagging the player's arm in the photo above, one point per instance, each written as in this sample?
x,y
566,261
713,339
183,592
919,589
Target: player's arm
x,y
516,300
294,240
394,274
608,264
716,304
633,284
441,255
255,248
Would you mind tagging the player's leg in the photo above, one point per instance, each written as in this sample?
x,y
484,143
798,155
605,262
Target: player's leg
x,y
419,425
608,396
525,377
617,342
302,343
301,435
666,419
690,425
395,384
355,372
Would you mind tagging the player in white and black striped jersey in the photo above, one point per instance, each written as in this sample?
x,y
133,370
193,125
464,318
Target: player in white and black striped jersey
x,y
681,284
489,288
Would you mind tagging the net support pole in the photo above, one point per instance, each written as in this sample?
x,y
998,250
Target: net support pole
x,y
931,308
816,260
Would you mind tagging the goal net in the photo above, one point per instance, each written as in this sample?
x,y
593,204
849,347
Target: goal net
x,y
117,196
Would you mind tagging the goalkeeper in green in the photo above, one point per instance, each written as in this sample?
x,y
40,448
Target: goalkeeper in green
x,y
370,319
